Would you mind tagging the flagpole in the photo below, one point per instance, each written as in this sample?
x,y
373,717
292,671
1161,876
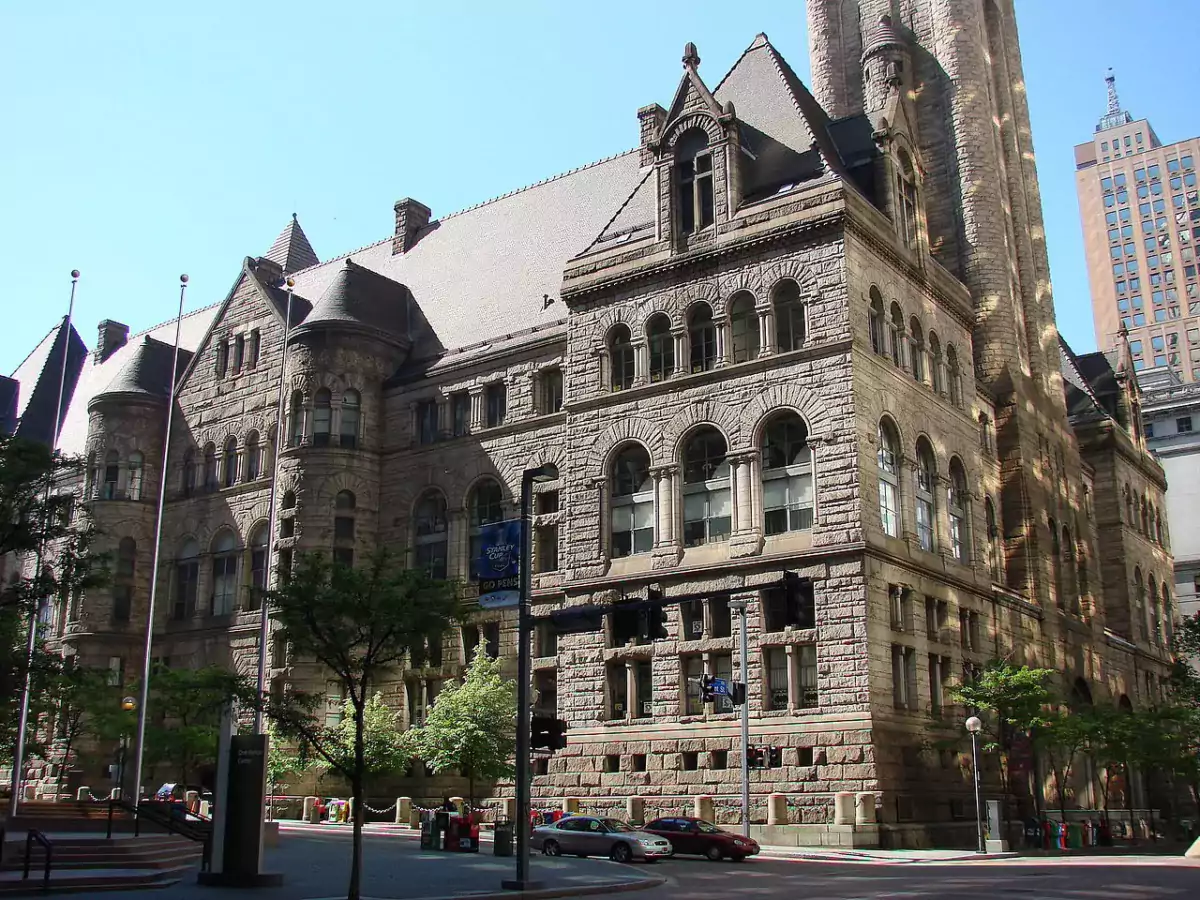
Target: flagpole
x,y
154,573
264,631
31,644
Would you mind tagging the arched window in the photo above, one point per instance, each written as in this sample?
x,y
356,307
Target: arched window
x,y
916,349
1056,562
907,195
484,506
351,412
289,500
229,463
123,579
429,535
189,472
985,434
1158,529
888,458
936,381
993,540
187,579
1070,589
112,475
1081,576
1154,626
743,327
133,486
1129,515
210,467
702,338
1145,516
254,457
224,573
925,477
296,419
958,506
787,474
621,358
1139,604
693,181
662,347
953,376
322,417
706,513
344,506
896,335
632,502
876,324
789,316
259,574
1168,618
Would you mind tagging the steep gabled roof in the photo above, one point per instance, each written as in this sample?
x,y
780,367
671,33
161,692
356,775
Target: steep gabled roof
x,y
41,374
1089,383
292,250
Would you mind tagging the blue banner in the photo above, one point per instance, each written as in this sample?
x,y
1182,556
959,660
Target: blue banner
x,y
499,564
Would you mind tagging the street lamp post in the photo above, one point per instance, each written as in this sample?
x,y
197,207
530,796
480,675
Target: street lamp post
x,y
524,674
738,606
128,704
974,726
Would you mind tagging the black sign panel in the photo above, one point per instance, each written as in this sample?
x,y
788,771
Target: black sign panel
x,y
244,803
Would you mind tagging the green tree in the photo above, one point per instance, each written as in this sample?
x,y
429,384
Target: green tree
x,y
360,624
1110,738
471,725
1061,736
85,704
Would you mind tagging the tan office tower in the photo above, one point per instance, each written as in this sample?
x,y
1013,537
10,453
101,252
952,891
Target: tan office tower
x,y
1140,208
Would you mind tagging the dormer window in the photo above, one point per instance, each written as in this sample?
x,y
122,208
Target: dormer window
x,y
694,179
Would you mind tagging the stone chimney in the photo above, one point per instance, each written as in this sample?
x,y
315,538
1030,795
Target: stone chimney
x,y
268,270
651,120
112,337
411,217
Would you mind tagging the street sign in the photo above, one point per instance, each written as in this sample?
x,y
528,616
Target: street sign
x,y
720,687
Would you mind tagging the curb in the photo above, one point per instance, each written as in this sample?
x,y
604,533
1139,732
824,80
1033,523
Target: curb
x,y
620,887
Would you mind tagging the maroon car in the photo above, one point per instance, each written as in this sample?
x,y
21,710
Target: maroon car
x,y
689,835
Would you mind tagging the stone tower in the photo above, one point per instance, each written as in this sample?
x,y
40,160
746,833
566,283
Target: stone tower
x,y
983,210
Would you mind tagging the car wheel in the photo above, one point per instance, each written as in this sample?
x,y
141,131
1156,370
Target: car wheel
x,y
714,853
621,853
551,848
738,858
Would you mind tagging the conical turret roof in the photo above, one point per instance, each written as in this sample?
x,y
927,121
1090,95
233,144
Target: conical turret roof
x,y
292,250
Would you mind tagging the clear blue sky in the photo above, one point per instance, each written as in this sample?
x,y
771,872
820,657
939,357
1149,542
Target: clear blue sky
x,y
144,140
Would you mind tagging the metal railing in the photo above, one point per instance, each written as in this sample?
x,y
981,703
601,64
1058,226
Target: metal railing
x,y
35,835
194,829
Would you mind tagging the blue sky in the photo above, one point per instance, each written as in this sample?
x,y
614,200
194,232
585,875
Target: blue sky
x,y
175,138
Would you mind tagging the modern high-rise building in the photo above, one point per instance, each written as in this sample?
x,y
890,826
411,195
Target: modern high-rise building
x,y
1140,207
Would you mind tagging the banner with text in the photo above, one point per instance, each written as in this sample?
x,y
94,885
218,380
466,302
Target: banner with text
x,y
499,564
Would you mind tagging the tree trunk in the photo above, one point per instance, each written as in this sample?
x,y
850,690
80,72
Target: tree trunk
x,y
66,761
1129,802
354,891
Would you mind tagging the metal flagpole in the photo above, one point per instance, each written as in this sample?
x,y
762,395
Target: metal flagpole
x,y
264,631
23,722
143,702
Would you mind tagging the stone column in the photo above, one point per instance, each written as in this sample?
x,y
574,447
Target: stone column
x,y
683,363
641,362
864,808
743,511
310,809
793,675
766,330
843,808
722,328
477,411
403,810
631,710
603,369
703,808
635,809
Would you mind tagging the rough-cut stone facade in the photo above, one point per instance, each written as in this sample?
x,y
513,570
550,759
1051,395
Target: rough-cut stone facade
x,y
927,321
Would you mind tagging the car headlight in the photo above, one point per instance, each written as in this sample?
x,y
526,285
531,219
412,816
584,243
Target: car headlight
x,y
740,844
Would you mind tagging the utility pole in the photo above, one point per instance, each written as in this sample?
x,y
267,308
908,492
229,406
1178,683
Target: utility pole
x,y
739,608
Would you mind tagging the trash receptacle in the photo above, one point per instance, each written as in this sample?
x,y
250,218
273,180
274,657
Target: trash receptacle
x,y
502,839
1074,835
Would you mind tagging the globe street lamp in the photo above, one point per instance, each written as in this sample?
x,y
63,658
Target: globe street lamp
x,y
128,704
974,726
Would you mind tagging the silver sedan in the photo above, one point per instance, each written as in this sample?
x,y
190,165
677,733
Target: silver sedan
x,y
594,836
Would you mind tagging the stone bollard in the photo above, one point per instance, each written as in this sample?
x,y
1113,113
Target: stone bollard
x,y
571,806
702,808
510,808
864,809
403,810
843,808
84,794
414,818
635,809
309,814
30,792
206,809
115,794
460,804
777,813
351,809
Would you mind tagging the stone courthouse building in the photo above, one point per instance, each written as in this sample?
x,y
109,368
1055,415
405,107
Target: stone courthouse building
x,y
797,347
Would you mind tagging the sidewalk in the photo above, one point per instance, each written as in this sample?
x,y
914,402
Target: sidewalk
x,y
893,857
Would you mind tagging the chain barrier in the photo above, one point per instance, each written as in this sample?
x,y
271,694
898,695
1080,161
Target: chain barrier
x,y
379,812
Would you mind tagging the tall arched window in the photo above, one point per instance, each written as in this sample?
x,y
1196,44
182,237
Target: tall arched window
x,y
224,573
1056,563
123,579
259,574
693,181
187,579
702,338
254,457
344,506
112,475
906,191
429,535
210,467
229,459
133,484
993,540
936,381
351,413
896,335
953,376
1139,605
925,477
322,417
1158,531
484,506
876,322
662,347
958,505
1154,626
888,458
986,444
189,472
632,488
917,349
622,367
787,474
706,513
1070,588
1130,518
743,327
1168,618
789,316
1145,516
296,419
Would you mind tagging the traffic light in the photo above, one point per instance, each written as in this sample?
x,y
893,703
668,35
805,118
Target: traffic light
x,y
737,693
775,758
756,758
547,733
706,689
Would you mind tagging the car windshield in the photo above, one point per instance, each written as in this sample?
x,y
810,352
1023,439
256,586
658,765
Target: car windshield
x,y
615,825
708,827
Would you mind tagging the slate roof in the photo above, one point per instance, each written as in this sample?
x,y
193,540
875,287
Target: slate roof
x,y
292,250
1090,385
358,298
147,372
39,377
